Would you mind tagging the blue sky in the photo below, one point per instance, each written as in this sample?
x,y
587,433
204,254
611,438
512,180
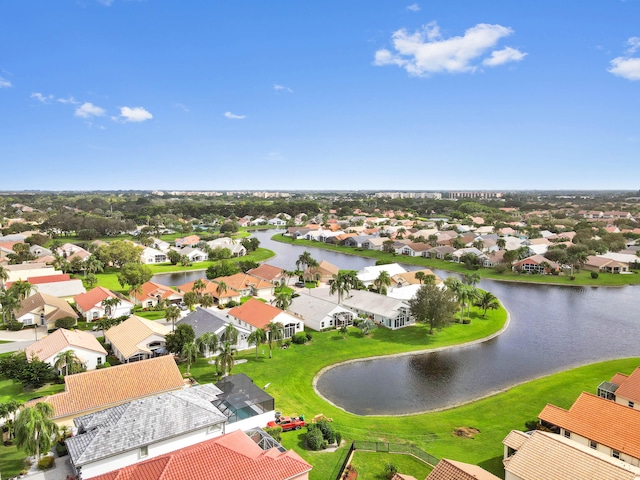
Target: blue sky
x,y
348,94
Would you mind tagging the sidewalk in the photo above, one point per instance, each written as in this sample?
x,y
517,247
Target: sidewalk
x,y
20,339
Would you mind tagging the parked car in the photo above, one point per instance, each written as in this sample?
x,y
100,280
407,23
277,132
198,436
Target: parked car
x,y
288,423
299,284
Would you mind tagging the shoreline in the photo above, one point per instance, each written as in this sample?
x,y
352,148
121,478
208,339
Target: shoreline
x,y
406,354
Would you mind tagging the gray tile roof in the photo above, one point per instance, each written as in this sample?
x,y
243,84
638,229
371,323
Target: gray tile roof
x,y
203,321
143,422
314,308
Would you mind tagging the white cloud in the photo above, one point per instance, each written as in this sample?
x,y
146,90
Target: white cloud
x,y
282,88
70,100
426,52
499,57
627,66
136,114
182,107
42,98
4,83
87,110
624,67
414,7
233,116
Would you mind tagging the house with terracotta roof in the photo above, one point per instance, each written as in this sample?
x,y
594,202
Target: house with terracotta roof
x,y
43,309
212,287
70,251
23,271
541,455
269,273
536,264
96,390
90,304
61,286
137,339
322,273
83,344
599,424
152,293
454,470
247,285
255,314
234,456
188,241
622,389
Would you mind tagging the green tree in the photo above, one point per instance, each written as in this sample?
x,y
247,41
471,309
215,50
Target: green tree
x,y
172,314
34,429
68,363
305,260
226,358
366,325
382,282
230,334
207,300
274,335
175,341
342,283
344,330
420,276
110,305
189,353
134,274
199,287
257,337
434,306
282,300
487,301
119,253
207,343
190,299
174,257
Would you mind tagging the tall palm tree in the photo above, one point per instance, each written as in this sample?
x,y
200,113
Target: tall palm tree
x,y
341,285
92,265
304,260
226,358
207,343
110,304
222,289
69,361
10,304
275,335
22,289
207,300
420,276
230,334
172,313
198,287
471,279
34,429
257,338
487,301
190,353
382,282
282,300
501,243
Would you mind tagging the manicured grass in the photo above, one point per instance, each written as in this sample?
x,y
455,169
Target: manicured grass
x,y
371,465
151,314
581,278
11,461
10,390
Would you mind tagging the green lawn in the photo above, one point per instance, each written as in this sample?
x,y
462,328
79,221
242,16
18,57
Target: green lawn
x,y
581,278
371,465
10,390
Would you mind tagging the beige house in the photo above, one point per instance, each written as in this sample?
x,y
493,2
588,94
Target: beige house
x,y
137,339
622,389
83,344
453,470
322,273
595,263
43,309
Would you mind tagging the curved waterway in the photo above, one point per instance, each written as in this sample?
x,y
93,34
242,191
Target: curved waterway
x,y
552,329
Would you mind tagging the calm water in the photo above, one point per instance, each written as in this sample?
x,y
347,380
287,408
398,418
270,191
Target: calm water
x,y
552,329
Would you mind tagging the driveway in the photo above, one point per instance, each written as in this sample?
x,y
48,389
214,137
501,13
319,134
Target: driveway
x,y
20,339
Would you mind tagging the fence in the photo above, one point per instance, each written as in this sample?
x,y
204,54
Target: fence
x,y
384,447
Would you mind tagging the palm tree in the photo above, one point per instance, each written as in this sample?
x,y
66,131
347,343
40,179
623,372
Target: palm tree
x,y
382,282
282,300
68,360
275,334
226,358
198,287
190,353
34,429
190,299
92,265
207,300
4,276
21,289
230,334
304,260
10,304
343,331
466,294
110,304
207,343
172,313
222,289
289,274
487,301
471,279
257,338
366,325
341,285
420,276
501,243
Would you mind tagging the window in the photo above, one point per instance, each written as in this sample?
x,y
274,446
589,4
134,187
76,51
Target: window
x,y
99,361
567,433
144,451
631,404
593,444
615,454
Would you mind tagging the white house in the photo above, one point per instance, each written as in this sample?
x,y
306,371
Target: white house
x,y
153,255
91,307
83,344
368,274
137,339
318,313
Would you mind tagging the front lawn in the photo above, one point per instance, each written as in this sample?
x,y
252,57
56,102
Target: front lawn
x,y
371,465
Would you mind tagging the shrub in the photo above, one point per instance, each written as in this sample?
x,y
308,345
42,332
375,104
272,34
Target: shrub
x,y
314,439
275,432
338,438
61,449
309,336
286,343
594,275
572,277
390,470
103,365
14,326
45,463
299,338
500,268
327,430
66,322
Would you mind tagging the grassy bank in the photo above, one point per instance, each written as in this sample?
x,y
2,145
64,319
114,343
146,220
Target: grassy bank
x,y
581,278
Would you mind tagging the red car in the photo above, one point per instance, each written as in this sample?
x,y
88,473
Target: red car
x,y
287,423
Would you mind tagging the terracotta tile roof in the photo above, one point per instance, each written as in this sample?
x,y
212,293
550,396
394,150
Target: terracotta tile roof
x,y
60,339
99,389
152,290
630,387
619,378
266,272
49,278
242,281
603,421
211,287
233,456
86,301
452,470
128,336
55,307
547,456
255,313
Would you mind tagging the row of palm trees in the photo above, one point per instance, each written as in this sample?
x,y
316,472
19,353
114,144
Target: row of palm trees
x,y
468,294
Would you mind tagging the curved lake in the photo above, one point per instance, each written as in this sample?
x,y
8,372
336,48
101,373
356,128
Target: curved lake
x,y
552,329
